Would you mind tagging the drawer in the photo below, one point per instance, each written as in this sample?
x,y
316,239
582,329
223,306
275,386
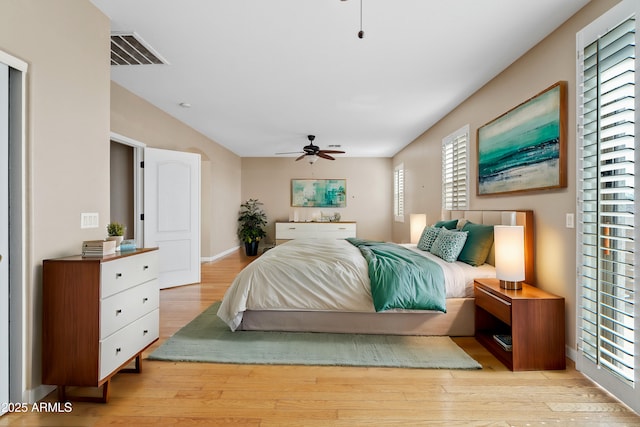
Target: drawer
x,y
125,307
299,230
337,231
335,227
124,273
121,346
493,304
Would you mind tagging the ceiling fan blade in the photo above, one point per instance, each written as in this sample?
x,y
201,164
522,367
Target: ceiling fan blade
x,y
301,157
290,152
324,156
331,151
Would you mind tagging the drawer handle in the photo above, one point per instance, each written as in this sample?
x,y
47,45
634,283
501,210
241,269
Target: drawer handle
x,y
292,228
118,275
145,299
342,228
118,350
145,332
118,311
494,297
146,267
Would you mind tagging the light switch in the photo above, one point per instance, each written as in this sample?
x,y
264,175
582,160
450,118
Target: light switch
x,y
89,220
570,221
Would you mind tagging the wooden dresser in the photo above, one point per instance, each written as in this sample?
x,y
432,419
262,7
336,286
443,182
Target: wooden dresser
x,y
99,315
314,230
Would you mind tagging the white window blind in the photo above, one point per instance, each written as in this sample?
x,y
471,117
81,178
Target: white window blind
x,y
398,193
607,235
455,182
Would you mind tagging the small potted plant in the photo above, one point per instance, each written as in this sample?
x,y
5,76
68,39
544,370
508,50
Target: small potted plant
x,y
252,220
115,231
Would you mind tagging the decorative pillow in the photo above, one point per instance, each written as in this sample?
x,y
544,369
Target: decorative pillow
x,y
449,224
478,244
429,235
448,244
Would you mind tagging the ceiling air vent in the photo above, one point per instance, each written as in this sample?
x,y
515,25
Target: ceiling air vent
x,y
130,49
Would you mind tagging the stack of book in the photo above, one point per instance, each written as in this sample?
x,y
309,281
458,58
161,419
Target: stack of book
x,y
98,248
504,341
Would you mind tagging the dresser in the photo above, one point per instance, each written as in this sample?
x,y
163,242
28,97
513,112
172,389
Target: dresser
x,y
314,230
99,315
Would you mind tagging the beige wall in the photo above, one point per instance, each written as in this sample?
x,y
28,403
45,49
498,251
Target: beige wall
x,y
135,118
369,190
552,60
65,44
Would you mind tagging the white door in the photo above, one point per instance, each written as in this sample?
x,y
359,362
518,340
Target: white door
x,y
4,236
172,213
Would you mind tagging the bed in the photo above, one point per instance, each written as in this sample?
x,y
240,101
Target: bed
x,y
324,286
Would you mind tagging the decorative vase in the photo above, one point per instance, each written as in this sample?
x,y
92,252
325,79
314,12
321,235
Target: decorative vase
x,y
118,240
251,249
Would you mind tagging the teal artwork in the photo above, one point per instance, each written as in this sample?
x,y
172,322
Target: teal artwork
x,y
320,193
524,149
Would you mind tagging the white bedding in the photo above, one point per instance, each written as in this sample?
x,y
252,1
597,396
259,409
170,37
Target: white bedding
x,y
321,275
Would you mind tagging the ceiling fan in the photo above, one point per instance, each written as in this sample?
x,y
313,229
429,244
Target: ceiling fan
x,y
314,152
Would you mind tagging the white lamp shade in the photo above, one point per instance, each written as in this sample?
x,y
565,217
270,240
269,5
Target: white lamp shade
x,y
509,246
417,222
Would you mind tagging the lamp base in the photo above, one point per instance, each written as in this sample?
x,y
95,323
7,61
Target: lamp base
x,y
506,284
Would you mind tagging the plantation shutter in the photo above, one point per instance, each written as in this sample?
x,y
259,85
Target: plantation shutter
x,y
398,193
455,186
607,235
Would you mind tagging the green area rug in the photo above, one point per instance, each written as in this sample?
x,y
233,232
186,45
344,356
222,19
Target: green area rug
x,y
208,339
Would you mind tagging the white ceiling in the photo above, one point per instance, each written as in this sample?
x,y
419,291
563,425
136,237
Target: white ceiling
x,y
262,74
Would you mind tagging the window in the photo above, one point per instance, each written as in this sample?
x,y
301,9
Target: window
x,y
455,182
398,193
607,236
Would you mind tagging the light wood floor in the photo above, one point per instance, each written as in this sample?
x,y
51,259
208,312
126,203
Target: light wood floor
x,y
189,394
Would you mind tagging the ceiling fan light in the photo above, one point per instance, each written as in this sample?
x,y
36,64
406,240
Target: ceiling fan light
x,y
312,159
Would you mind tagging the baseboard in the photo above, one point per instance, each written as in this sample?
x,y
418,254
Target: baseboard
x,y
36,394
571,353
220,255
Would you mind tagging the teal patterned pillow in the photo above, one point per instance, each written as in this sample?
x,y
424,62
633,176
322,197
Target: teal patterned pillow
x,y
449,244
429,235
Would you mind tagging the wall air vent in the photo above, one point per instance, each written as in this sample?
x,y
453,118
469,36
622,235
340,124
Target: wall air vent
x,y
130,49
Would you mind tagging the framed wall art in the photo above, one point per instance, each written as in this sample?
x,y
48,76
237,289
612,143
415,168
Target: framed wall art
x,y
525,148
319,193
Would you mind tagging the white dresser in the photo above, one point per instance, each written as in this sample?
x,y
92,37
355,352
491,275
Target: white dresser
x,y
99,315
314,230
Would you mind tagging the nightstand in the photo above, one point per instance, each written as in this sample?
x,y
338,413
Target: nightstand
x,y
534,319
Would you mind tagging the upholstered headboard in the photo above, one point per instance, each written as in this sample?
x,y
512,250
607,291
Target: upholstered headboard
x,y
492,217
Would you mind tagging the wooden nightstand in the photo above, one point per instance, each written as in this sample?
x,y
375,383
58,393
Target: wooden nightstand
x,y
533,318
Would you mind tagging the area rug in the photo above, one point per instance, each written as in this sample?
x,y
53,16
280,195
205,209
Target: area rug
x,y
208,339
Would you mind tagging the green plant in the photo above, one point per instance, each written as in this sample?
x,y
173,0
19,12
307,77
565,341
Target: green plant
x,y
251,220
115,229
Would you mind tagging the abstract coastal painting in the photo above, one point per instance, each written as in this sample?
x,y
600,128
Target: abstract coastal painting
x,y
320,193
525,148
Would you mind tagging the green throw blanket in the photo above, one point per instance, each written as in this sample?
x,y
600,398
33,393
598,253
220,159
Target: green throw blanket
x,y
401,278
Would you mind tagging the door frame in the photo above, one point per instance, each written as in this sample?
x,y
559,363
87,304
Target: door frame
x,y
138,181
18,224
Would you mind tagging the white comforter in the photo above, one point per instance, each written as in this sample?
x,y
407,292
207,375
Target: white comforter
x,y
321,275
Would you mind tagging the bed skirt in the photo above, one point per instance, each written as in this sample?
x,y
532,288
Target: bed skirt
x,y
458,321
